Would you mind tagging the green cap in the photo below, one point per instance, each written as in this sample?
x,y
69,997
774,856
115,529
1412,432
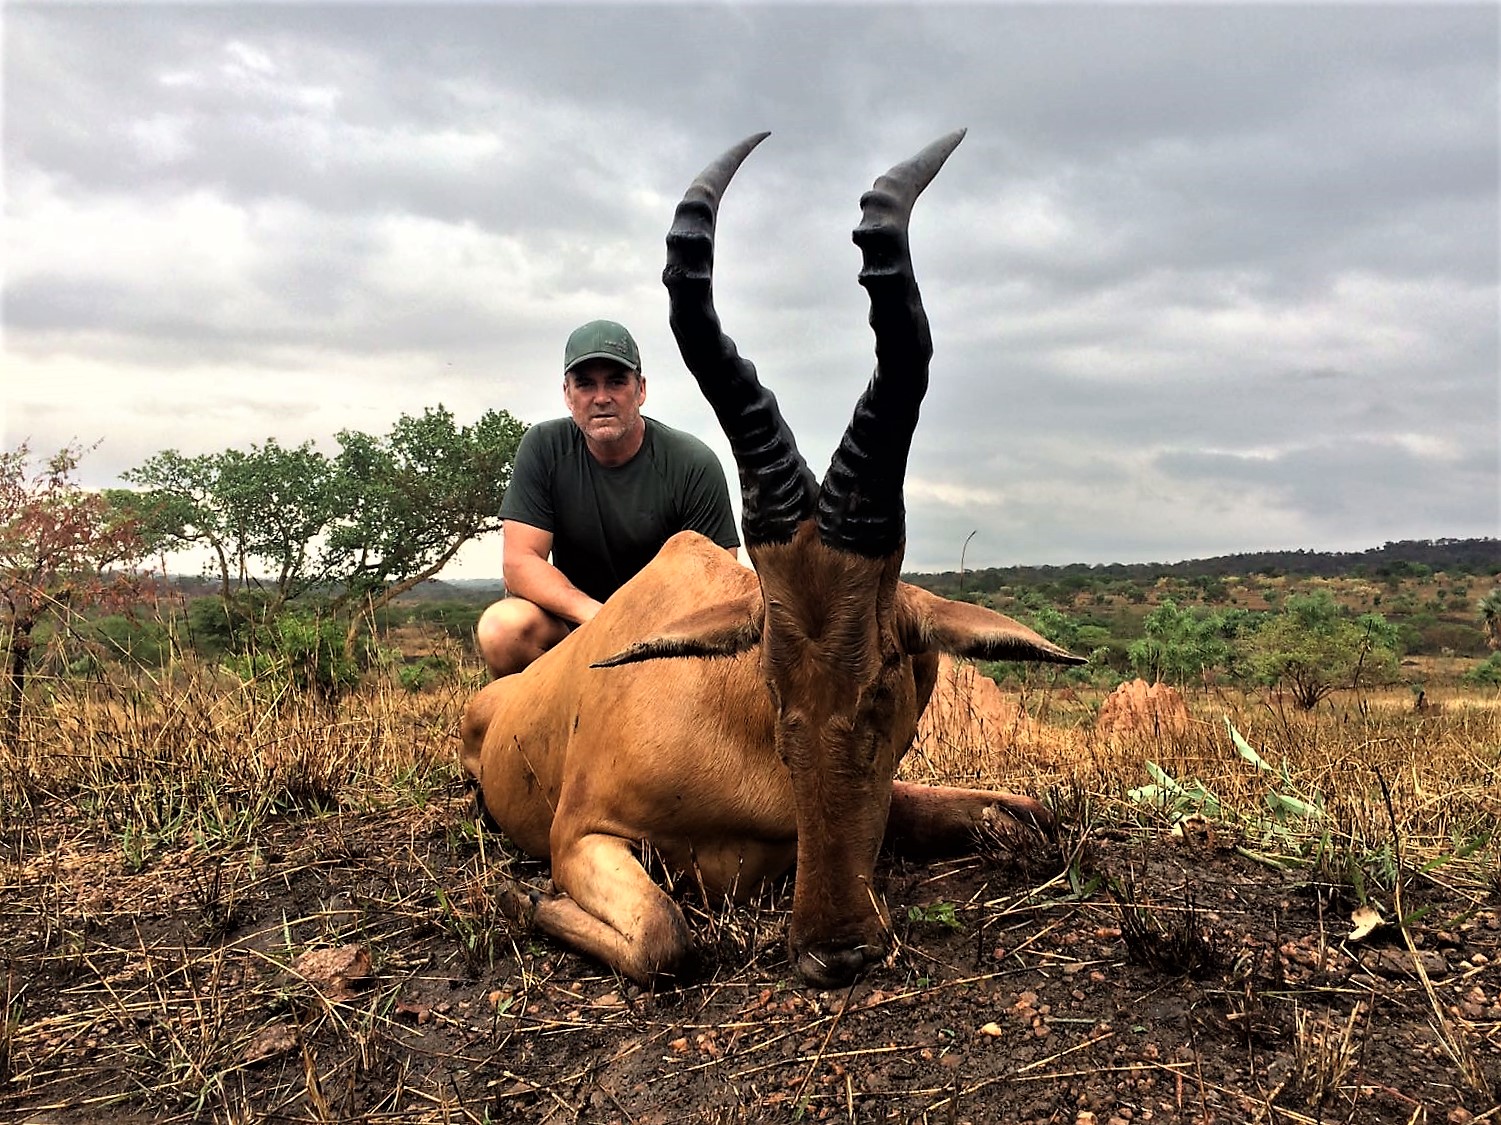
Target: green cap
x,y
601,339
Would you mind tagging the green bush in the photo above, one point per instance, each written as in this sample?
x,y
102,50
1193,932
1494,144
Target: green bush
x,y
145,643
216,626
1179,644
304,650
421,674
1314,646
1485,674
1434,639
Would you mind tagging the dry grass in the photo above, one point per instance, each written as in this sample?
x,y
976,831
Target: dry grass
x,y
130,799
1441,767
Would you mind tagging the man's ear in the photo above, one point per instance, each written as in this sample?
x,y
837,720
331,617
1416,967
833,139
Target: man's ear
x,y
933,624
719,630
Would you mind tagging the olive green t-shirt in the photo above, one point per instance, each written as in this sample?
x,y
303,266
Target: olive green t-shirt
x,y
608,523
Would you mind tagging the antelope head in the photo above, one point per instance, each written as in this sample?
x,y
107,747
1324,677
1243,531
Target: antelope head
x,y
847,651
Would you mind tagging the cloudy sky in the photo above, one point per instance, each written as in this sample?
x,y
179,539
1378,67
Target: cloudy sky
x,y
1201,279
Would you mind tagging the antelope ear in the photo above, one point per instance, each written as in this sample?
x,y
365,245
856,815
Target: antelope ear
x,y
930,623
719,630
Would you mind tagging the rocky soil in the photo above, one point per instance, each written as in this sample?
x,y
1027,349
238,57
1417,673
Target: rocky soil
x,y
355,967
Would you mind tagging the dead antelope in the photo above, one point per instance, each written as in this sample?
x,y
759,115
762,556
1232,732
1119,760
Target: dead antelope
x,y
739,721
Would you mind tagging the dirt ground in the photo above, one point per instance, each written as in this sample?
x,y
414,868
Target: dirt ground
x,y
1158,978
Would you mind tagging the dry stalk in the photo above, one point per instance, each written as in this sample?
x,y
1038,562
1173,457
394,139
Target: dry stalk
x,y
1467,1065
1325,1055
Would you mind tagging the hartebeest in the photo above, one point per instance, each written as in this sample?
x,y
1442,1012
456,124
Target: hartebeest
x,y
741,721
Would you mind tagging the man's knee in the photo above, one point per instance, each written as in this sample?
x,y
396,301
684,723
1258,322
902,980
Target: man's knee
x,y
513,632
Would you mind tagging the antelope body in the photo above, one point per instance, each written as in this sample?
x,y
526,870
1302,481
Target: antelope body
x,y
742,722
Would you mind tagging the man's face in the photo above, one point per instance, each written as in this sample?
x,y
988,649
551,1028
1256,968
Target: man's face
x,y
605,400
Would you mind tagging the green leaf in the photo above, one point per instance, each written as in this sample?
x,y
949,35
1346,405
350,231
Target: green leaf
x,y
1245,749
1286,803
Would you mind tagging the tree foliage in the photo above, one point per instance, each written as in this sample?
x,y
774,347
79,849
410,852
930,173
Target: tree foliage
x,y
1489,611
258,513
63,549
1181,644
354,530
1314,646
409,501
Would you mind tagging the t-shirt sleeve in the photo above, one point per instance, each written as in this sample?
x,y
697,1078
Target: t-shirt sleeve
x,y
528,498
706,507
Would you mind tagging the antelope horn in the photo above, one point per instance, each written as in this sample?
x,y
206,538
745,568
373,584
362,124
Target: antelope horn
x,y
776,486
860,505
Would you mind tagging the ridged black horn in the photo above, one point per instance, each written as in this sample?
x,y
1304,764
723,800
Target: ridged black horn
x,y
860,506
775,484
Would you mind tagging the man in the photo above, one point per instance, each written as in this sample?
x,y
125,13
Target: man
x,y
600,492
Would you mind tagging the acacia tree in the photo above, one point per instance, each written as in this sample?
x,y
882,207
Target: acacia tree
x,y
1181,643
359,529
409,501
62,549
1314,646
258,514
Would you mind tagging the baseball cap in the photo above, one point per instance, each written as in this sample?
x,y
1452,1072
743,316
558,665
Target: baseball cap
x,y
601,339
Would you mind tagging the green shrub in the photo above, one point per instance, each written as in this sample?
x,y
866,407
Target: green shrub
x,y
424,672
146,643
304,650
1485,674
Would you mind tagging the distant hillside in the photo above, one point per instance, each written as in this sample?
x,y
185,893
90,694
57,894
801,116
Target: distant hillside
x,y
456,589
1477,557
434,589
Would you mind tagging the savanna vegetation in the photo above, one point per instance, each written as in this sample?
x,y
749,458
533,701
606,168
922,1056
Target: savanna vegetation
x,y
242,880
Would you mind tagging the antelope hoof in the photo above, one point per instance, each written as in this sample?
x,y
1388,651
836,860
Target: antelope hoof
x,y
1012,816
519,903
836,966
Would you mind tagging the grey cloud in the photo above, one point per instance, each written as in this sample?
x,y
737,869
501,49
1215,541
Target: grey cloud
x,y
1175,237
1357,486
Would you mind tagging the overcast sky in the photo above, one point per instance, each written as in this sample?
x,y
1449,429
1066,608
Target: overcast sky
x,y
1201,279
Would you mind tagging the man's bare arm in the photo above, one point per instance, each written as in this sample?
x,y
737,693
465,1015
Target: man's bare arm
x,y
529,575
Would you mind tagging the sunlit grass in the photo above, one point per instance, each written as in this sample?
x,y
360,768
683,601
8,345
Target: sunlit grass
x,y
1378,769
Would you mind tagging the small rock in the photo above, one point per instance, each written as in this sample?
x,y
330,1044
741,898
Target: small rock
x,y
1398,963
334,972
991,1029
272,1041
417,1013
